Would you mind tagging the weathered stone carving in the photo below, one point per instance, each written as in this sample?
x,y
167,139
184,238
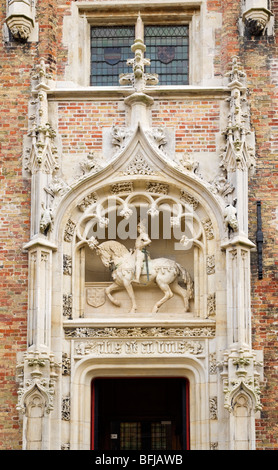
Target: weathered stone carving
x,y
67,305
87,201
91,165
95,296
159,188
161,270
240,373
256,16
20,19
67,265
213,407
42,154
211,264
139,166
239,150
120,136
185,162
138,347
66,364
230,217
158,136
191,200
69,231
123,187
208,227
37,373
46,220
66,408
141,332
138,78
211,305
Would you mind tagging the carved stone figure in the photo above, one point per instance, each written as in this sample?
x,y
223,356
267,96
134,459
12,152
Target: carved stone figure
x,y
230,217
164,272
142,241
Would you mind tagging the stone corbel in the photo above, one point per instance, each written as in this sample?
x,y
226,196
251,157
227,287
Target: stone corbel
x,y
256,17
20,18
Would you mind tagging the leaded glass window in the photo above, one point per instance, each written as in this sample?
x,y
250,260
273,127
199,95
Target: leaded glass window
x,y
110,49
167,47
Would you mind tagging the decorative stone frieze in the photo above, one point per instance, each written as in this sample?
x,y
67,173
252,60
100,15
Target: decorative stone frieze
x,y
87,201
67,265
159,188
213,408
123,187
69,231
67,305
140,332
66,364
189,199
211,264
208,228
66,405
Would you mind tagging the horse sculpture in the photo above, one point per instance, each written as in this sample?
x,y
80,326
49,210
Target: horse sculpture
x,y
162,271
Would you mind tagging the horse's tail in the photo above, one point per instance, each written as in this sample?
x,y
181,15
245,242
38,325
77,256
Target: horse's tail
x,y
186,279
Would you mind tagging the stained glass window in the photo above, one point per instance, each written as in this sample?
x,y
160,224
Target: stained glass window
x,y
110,49
167,47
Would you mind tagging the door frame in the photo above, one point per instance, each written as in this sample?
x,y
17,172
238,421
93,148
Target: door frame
x,y
185,405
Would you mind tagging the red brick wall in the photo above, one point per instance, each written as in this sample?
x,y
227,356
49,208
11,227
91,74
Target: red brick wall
x,y
16,62
196,123
259,58
81,123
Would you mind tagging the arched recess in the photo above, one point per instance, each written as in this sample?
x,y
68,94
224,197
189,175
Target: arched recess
x,y
89,368
184,224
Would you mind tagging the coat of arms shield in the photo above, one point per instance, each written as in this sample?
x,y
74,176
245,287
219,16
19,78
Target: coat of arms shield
x,y
95,296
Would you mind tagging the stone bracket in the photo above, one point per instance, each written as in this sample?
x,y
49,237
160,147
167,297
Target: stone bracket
x,y
20,19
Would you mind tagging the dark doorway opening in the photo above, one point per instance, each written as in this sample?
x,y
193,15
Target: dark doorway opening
x,y
140,414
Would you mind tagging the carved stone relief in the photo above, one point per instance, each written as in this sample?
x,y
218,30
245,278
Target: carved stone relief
x,y
139,166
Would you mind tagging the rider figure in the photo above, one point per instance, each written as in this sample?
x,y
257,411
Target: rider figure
x,y
142,241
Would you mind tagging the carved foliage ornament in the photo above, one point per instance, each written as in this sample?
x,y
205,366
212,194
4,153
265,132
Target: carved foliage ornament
x,y
140,332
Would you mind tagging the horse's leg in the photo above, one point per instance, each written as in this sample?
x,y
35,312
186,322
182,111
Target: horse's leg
x,y
130,292
167,294
110,289
182,292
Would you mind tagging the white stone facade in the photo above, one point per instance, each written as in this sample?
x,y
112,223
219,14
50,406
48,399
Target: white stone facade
x,y
75,332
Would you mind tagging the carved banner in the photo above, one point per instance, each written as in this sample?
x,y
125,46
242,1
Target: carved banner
x,y
138,347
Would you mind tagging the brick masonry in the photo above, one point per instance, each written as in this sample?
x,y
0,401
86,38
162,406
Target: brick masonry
x,y
259,59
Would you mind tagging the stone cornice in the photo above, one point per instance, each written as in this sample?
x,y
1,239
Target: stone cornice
x,y
115,93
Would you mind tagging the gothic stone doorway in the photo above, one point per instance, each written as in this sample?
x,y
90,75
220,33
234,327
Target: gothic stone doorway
x,y
140,414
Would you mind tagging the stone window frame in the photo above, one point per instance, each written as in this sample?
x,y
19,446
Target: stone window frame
x,y
76,34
